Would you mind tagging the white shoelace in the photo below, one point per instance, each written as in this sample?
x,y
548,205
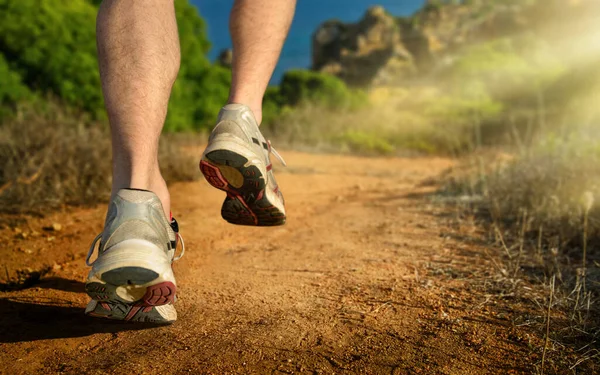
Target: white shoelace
x,y
98,237
276,154
91,250
176,258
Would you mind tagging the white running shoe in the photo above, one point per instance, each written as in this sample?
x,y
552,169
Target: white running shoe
x,y
237,161
132,278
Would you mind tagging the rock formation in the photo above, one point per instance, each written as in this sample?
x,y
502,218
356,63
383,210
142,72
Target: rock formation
x,y
381,49
370,51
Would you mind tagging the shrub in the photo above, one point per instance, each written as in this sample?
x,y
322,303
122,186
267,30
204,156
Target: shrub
x,y
300,86
12,88
503,70
201,88
365,142
550,182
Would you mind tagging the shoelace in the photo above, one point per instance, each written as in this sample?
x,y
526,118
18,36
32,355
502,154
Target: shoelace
x,y
98,237
175,259
277,155
91,250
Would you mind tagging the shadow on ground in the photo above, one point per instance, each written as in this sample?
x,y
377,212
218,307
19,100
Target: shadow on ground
x,y
33,318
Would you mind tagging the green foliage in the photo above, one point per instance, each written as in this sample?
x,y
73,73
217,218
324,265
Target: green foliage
x,y
299,86
500,69
50,47
362,141
12,88
272,105
201,89
51,44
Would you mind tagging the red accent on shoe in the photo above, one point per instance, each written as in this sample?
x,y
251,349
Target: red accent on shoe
x,y
269,167
105,306
215,178
132,312
159,294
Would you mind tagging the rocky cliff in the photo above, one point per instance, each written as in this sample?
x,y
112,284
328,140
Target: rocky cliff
x,y
383,49
365,52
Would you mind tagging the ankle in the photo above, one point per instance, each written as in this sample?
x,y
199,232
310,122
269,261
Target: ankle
x,y
255,107
153,182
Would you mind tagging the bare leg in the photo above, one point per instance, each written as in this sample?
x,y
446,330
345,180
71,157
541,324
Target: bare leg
x,y
138,52
258,29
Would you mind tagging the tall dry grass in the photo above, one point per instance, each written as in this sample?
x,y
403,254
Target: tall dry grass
x,y
541,209
52,156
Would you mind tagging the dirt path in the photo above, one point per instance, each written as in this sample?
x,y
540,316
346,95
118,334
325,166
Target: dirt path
x,y
363,278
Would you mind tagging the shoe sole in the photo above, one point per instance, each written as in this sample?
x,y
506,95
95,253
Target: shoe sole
x,y
244,183
160,315
127,291
143,310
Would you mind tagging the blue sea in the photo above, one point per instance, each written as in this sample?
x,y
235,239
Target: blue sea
x,y
309,15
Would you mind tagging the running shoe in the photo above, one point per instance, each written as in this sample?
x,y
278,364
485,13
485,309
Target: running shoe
x,y
237,161
132,279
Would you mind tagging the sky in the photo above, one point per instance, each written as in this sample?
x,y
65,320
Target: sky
x,y
309,15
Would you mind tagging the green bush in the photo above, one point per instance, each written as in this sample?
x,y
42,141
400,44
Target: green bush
x,y
504,69
365,142
201,88
272,105
299,86
12,88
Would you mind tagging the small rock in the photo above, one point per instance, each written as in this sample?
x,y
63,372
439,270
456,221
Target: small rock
x,y
55,227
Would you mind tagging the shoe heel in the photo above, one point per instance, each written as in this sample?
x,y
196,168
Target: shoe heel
x,y
132,272
231,172
147,296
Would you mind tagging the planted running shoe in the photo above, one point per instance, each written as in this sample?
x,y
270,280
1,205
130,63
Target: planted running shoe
x,y
237,161
132,278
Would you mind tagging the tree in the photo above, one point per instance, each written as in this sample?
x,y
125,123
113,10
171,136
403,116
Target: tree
x,y
50,46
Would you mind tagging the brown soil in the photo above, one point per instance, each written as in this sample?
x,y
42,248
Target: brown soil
x,y
365,278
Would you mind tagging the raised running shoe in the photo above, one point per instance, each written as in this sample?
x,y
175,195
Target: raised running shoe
x,y
132,278
237,161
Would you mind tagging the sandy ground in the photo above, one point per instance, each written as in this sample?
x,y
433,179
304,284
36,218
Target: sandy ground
x,y
365,278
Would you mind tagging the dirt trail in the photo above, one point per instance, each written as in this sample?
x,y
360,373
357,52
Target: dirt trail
x,y
363,278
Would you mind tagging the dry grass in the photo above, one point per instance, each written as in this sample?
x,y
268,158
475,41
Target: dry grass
x,y
541,209
52,156
418,120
